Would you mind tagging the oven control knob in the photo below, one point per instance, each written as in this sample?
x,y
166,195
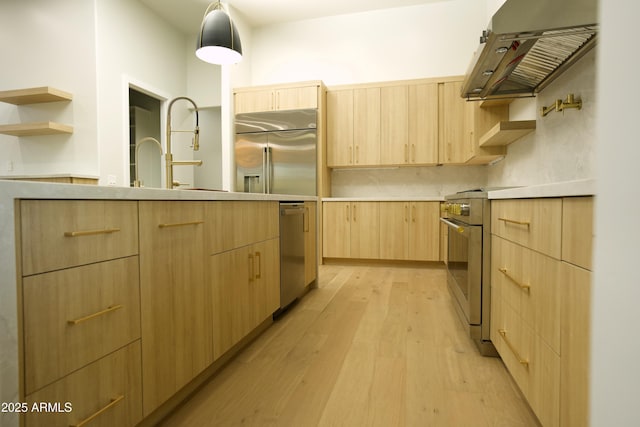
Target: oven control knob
x,y
464,209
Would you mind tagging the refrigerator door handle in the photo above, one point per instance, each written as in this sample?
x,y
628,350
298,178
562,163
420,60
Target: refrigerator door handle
x,y
264,169
269,174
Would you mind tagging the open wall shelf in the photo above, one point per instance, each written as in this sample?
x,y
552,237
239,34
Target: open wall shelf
x,y
35,95
506,132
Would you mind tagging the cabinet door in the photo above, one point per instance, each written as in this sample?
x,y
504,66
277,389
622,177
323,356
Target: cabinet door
x,y
365,230
423,124
230,273
424,231
575,344
310,243
366,127
176,316
394,125
577,230
265,286
252,101
336,230
455,142
340,128
296,98
394,230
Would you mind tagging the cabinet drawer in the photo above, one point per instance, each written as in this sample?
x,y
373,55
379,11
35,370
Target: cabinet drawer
x,y
75,316
66,233
534,223
534,366
109,389
529,282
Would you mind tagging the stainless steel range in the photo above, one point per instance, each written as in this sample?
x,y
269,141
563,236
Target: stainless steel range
x,y
468,262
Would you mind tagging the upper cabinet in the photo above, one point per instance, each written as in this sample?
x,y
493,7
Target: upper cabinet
x,y
277,98
410,123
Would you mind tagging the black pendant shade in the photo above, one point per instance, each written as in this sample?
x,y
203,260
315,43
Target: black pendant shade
x,y
218,40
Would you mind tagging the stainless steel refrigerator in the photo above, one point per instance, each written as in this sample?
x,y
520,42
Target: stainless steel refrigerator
x,y
275,152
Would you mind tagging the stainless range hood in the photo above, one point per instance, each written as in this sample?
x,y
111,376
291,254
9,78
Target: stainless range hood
x,y
528,44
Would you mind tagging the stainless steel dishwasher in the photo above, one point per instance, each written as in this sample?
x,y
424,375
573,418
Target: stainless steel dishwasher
x,y
291,252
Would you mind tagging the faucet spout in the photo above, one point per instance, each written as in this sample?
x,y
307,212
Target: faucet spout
x,y
136,182
196,142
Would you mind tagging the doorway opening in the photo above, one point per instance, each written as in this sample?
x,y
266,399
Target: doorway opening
x,y
145,148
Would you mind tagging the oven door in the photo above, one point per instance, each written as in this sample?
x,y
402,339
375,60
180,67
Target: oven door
x,y
464,267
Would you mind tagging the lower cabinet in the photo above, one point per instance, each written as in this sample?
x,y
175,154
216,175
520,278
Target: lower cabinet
x,y
310,242
382,230
105,393
176,316
245,291
540,303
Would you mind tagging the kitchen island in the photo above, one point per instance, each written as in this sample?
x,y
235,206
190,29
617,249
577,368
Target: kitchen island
x,y
177,252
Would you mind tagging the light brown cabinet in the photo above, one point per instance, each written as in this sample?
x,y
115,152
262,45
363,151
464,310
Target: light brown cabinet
x,y
176,313
80,307
540,302
276,98
394,125
479,121
351,230
310,227
410,231
246,291
422,145
454,140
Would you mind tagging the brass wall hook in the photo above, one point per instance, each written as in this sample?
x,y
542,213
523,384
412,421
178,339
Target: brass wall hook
x,y
560,105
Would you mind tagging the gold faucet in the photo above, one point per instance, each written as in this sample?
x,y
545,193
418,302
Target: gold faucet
x,y
560,105
170,163
136,182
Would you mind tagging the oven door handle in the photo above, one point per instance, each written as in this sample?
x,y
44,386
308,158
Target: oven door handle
x,y
458,228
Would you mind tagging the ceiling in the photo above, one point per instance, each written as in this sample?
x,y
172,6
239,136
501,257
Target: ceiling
x,y
186,15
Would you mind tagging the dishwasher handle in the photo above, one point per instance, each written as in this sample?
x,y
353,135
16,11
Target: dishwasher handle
x,y
292,210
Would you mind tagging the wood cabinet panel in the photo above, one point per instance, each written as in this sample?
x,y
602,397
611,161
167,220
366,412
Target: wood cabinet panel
x,y
534,223
340,122
351,230
176,315
249,102
454,140
310,242
394,230
336,230
576,345
245,291
232,224
423,124
394,125
112,383
65,233
424,231
366,127
75,316
297,98
276,99
577,231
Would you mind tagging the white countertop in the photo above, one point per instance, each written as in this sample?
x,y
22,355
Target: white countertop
x,y
46,190
584,187
385,199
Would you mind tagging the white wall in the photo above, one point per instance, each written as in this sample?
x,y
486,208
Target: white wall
x,y
615,374
45,43
434,39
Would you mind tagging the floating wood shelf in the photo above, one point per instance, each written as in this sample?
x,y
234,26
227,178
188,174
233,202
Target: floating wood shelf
x,y
34,95
506,132
35,129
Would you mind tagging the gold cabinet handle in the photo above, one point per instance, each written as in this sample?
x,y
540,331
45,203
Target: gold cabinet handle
x,y
90,232
259,261
413,153
512,221
413,213
348,212
522,286
406,153
94,315
180,224
523,362
90,418
354,213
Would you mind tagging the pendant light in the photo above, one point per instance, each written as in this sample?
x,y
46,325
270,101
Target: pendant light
x,y
218,40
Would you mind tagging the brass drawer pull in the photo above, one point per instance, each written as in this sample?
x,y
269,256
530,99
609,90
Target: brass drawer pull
x,y
513,221
90,232
94,315
180,224
523,362
90,418
522,286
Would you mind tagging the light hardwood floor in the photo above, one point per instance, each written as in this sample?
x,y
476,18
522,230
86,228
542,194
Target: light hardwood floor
x,y
371,346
